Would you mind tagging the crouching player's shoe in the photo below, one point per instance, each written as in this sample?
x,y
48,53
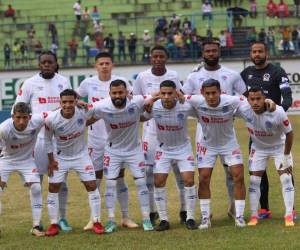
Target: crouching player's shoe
x,y
64,225
253,221
110,227
205,223
127,222
163,225
264,214
240,222
52,230
289,222
89,226
98,228
191,224
37,231
182,216
147,225
153,217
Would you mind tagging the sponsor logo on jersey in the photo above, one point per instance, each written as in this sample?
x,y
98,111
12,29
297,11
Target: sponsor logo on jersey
x,y
205,119
80,121
266,77
40,88
286,123
268,124
42,100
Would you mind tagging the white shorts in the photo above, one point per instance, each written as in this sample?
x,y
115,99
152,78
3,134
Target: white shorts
x,y
27,169
96,156
113,163
183,159
206,156
150,144
83,166
258,158
40,156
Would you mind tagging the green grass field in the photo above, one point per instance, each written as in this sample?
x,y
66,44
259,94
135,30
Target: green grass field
x,y
15,221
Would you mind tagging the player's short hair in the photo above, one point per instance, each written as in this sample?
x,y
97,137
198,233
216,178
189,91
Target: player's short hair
x,y
168,83
116,83
103,54
68,92
21,107
210,41
49,52
256,88
160,47
211,83
262,43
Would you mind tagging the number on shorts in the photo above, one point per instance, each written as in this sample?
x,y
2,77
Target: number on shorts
x,y
145,146
200,149
106,160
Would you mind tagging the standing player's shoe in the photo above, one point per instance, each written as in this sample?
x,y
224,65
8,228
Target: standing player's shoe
x,y
253,221
153,217
205,223
89,226
64,225
52,230
240,222
289,221
182,216
162,226
231,211
295,217
191,224
37,231
98,228
127,222
264,214
110,227
147,225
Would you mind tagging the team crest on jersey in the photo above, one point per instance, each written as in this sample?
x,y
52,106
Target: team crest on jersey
x,y
268,124
266,77
225,109
180,116
60,87
61,129
158,116
80,121
131,110
224,78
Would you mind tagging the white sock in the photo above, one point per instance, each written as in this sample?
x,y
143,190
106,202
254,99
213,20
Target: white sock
x,y
190,197
288,193
110,198
239,208
35,193
205,208
254,194
150,185
63,199
94,202
160,197
180,188
1,192
122,194
229,185
143,195
52,203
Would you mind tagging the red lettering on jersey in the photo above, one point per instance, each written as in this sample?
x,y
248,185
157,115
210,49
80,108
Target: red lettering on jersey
x,y
205,119
106,160
45,114
160,127
189,97
145,146
88,168
158,155
286,123
42,100
113,126
14,146
250,131
20,92
94,99
34,170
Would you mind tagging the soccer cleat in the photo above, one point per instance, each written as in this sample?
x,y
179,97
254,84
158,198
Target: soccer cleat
x,y
127,222
147,225
64,225
162,226
253,221
153,217
110,227
295,217
191,224
205,223
182,216
52,230
89,226
231,211
37,231
98,228
289,221
264,214
240,222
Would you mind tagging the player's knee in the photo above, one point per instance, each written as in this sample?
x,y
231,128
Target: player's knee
x,y
54,187
90,186
35,189
158,183
99,174
189,182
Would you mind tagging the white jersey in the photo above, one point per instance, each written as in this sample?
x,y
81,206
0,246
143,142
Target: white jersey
x,y
17,146
231,82
216,122
147,83
68,134
43,94
171,125
96,90
122,125
267,130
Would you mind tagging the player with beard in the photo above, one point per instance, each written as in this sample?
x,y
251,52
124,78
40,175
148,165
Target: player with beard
x,y
231,84
275,83
42,91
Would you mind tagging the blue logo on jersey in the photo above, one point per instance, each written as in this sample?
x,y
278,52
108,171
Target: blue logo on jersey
x,y
180,116
33,132
131,111
268,124
225,109
61,129
80,121
60,87
249,119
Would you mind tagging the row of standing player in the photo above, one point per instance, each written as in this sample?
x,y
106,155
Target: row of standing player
x,y
229,81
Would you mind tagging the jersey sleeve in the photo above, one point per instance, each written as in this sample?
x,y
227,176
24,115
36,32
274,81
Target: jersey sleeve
x,y
284,121
242,106
96,109
140,100
48,136
137,86
82,90
177,82
24,93
194,100
286,92
239,85
188,87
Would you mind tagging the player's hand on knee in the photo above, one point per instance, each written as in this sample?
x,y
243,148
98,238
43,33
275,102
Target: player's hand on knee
x,y
287,163
52,166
